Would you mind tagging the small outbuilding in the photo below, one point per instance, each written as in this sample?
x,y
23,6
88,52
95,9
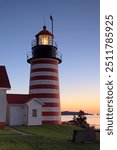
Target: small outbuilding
x,y
22,110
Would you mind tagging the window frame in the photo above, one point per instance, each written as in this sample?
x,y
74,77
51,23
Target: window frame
x,y
34,113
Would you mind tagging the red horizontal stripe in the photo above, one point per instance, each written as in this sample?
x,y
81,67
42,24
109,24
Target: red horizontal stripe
x,y
51,105
51,122
44,95
44,78
51,114
55,62
44,86
44,69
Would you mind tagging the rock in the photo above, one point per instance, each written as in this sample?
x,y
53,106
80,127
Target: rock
x,y
80,136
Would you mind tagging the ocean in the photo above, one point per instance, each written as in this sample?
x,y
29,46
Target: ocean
x,y
93,120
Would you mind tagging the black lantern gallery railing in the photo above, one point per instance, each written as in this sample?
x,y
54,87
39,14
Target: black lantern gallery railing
x,y
50,42
58,56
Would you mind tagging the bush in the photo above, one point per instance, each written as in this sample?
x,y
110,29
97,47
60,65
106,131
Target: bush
x,y
80,120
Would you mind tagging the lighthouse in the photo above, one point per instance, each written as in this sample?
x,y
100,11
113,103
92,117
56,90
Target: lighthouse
x,y
44,59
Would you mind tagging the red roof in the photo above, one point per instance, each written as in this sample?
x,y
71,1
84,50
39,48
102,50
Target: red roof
x,y
17,98
4,80
44,31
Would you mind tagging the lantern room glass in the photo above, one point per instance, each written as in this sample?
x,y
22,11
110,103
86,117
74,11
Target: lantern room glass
x,y
45,39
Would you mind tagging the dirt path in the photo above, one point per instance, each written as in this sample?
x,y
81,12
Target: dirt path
x,y
18,132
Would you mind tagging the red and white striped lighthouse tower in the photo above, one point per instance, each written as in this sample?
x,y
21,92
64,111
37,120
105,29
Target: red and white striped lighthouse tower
x,y
44,78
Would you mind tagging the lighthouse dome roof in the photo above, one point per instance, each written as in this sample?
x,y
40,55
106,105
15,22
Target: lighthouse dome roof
x,y
44,31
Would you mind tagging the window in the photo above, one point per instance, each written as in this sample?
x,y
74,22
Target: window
x,y
34,112
45,39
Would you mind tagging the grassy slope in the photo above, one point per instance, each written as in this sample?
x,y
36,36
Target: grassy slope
x,y
46,137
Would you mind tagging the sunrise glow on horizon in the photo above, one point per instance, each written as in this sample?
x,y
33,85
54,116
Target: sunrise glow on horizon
x,y
87,102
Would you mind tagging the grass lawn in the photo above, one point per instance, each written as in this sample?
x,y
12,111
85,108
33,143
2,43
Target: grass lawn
x,y
6,132
46,137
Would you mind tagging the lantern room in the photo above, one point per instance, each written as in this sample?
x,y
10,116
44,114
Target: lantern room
x,y
44,37
44,47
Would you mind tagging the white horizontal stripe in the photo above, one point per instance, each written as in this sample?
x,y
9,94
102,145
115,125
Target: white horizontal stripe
x,y
50,109
47,118
44,66
33,74
38,82
34,91
51,100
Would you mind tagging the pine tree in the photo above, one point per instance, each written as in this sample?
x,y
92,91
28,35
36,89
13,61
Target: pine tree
x,y
80,119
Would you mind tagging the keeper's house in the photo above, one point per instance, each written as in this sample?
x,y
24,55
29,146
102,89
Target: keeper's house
x,y
17,109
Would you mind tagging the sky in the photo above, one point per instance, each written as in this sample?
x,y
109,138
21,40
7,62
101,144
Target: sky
x,y
76,31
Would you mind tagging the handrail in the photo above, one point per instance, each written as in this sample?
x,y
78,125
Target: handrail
x,y
29,55
57,56
34,43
